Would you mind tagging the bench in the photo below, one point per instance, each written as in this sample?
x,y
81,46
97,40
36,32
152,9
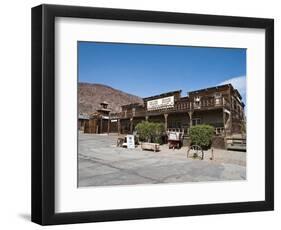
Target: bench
x,y
150,146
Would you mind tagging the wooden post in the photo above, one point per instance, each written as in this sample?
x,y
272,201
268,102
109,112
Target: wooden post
x,y
223,116
229,98
166,121
108,125
131,125
190,118
230,123
101,124
119,126
212,154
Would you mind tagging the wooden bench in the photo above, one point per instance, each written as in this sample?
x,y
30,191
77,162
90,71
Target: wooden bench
x,y
150,146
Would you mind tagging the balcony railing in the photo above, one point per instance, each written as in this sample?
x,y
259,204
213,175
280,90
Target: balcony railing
x,y
219,130
181,106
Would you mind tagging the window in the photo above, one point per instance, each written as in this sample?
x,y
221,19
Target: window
x,y
197,102
217,98
196,121
217,101
217,95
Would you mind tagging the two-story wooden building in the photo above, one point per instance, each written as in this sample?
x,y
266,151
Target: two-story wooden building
x,y
99,121
219,106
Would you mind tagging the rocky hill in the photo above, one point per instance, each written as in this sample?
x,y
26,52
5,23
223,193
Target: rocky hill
x,y
91,95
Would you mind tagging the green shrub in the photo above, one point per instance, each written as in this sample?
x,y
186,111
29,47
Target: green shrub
x,y
202,135
150,131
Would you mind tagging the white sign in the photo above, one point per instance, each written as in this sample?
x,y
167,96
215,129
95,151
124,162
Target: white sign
x,y
161,103
130,141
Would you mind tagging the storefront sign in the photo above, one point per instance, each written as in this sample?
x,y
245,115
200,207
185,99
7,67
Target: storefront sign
x,y
161,103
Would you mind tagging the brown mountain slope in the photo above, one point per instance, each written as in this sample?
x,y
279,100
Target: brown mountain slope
x,y
91,95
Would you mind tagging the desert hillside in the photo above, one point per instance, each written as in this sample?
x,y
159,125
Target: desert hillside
x,y
91,95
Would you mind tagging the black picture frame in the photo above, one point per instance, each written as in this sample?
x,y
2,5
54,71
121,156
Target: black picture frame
x,y
43,114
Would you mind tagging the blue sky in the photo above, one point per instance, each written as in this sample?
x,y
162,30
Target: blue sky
x,y
147,70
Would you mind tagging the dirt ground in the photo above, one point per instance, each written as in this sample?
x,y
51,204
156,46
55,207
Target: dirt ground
x,y
101,163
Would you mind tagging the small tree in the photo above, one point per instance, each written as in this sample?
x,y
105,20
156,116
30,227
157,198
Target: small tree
x,y
158,130
202,135
150,131
143,130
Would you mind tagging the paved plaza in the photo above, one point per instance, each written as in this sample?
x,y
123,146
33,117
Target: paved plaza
x,y
101,163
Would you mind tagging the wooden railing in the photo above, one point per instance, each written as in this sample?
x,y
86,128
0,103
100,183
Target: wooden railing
x,y
219,130
179,106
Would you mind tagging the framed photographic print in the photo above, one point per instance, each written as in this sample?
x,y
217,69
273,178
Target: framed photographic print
x,y
142,114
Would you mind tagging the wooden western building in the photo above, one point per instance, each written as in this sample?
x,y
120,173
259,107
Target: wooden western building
x,y
219,106
83,120
99,121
